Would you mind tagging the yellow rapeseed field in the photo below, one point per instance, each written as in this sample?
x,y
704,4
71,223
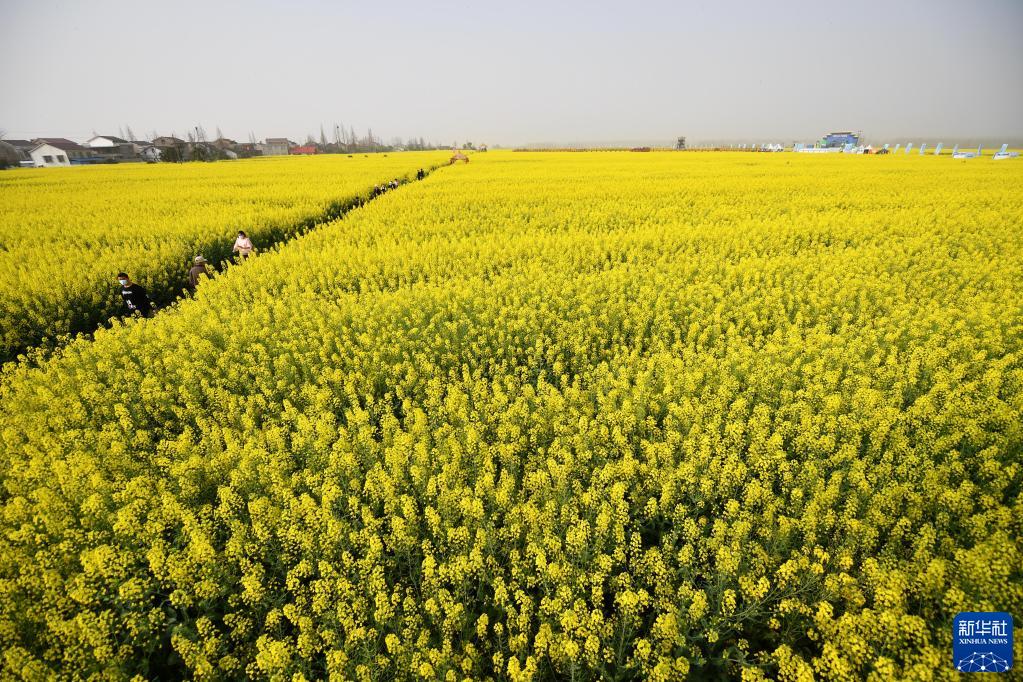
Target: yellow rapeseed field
x,y
566,415
66,233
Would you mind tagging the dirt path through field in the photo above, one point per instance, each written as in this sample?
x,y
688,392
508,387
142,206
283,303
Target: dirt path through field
x,y
278,237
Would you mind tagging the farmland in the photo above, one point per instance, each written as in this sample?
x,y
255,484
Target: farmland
x,y
65,233
541,416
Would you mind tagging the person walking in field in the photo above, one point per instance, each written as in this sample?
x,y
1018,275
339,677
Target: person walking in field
x,y
134,295
198,272
243,245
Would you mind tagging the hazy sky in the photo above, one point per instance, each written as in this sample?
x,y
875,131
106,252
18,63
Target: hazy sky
x,y
515,72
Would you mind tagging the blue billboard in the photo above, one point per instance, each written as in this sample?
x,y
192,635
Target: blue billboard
x,y
840,139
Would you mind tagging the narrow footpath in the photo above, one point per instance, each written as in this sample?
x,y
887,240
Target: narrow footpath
x,y
220,257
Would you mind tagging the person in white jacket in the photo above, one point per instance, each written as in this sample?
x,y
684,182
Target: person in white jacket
x,y
243,245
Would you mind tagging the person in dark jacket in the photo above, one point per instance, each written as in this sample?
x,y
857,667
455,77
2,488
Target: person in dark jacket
x,y
134,295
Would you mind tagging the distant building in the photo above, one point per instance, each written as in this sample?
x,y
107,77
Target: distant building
x,y
74,152
224,143
104,141
276,146
171,148
166,141
112,148
48,156
305,149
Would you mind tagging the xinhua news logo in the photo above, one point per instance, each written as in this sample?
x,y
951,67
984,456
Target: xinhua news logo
x,y
982,642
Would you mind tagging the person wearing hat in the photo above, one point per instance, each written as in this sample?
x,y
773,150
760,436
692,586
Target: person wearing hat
x,y
198,271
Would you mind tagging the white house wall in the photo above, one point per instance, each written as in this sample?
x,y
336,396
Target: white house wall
x,y
98,142
39,155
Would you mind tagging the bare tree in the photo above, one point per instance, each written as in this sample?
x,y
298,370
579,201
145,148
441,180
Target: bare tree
x,y
131,133
323,137
220,134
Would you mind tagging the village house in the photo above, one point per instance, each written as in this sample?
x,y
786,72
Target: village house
x,y
104,142
58,151
305,149
276,146
72,151
167,141
169,148
115,148
47,155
